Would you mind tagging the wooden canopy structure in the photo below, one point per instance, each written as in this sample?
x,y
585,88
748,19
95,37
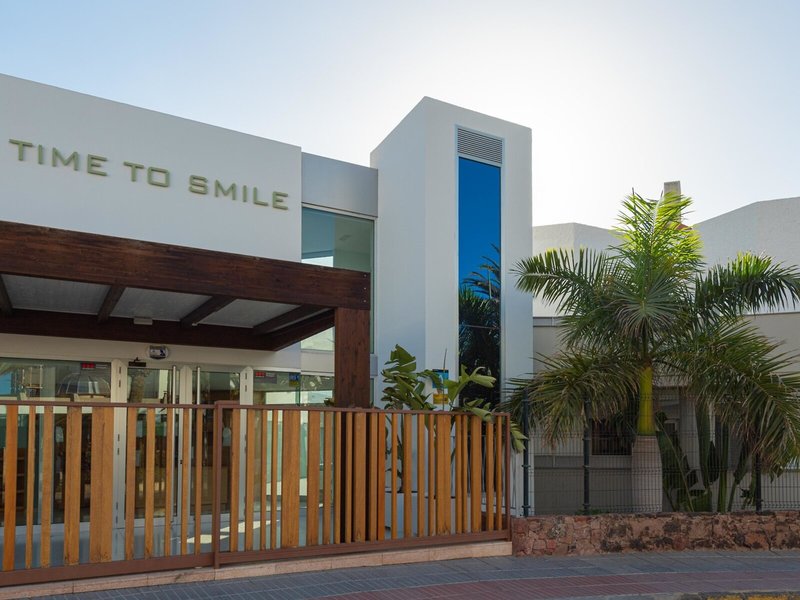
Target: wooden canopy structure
x,y
300,299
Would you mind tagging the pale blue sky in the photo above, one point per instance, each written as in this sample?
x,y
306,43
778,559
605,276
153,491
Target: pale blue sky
x,y
619,94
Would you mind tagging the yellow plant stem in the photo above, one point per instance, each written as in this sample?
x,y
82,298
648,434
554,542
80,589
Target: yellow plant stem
x,y
647,421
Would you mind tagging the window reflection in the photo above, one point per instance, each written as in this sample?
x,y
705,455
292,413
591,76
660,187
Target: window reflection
x,y
334,240
479,272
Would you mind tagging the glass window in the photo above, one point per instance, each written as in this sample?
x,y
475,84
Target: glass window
x,y
479,272
316,389
334,240
275,387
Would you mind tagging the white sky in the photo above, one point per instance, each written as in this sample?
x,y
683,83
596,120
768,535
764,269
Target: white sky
x,y
619,94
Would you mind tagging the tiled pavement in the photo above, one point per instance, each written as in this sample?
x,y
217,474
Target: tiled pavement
x,y
643,575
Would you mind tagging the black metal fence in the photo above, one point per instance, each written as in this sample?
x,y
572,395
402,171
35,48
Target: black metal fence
x,y
699,464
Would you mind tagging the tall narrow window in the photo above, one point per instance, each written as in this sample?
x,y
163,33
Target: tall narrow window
x,y
479,270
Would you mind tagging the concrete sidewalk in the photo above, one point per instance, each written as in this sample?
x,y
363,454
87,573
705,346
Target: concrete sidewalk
x,y
640,575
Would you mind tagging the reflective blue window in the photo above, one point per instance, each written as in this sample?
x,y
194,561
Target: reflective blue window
x,y
479,270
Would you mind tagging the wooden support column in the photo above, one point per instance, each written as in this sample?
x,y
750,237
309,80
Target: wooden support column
x,y
351,358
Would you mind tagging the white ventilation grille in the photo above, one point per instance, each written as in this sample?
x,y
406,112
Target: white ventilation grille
x,y
477,145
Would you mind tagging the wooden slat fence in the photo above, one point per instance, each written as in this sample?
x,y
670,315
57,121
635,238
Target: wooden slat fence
x,y
203,485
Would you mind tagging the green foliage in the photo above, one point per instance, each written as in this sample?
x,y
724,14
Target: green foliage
x,y
406,389
649,302
479,325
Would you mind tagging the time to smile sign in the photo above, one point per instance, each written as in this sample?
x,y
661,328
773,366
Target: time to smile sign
x,y
142,174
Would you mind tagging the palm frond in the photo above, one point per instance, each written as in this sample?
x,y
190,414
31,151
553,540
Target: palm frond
x,y
556,395
749,383
748,283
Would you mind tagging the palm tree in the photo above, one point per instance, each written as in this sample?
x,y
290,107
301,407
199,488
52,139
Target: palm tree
x,y
647,311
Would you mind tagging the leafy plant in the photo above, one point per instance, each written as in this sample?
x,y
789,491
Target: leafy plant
x,y
406,389
647,311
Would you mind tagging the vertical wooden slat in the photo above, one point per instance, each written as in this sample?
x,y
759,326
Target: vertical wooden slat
x,y
359,476
29,480
198,479
263,485
132,414
312,479
458,460
249,477
72,487
489,476
348,479
47,485
10,487
186,466
290,480
507,469
431,476
233,488
420,474
327,482
149,481
381,479
475,473
498,473
337,478
273,475
464,474
102,481
169,459
442,474
393,475
407,468
373,477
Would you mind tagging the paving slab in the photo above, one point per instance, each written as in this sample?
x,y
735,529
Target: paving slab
x,y
652,576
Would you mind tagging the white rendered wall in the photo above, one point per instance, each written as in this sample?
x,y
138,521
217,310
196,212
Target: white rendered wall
x,y
103,199
569,236
417,236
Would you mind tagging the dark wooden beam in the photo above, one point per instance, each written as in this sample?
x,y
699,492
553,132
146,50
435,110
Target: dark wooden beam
x,y
70,325
6,309
282,338
287,318
351,358
113,295
206,309
35,251
34,322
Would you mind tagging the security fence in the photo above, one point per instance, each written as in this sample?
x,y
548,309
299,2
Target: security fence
x,y
701,465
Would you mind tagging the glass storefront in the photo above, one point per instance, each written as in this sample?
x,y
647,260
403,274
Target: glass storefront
x,y
50,380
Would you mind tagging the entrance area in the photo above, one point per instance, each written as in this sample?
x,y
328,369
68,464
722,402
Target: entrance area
x,y
179,437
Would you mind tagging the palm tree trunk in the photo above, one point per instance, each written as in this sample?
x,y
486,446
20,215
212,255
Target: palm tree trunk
x,y
647,419
646,478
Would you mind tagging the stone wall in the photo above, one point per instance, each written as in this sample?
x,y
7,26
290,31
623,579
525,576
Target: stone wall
x,y
596,534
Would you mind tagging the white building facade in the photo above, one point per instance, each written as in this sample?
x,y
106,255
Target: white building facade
x,y
80,163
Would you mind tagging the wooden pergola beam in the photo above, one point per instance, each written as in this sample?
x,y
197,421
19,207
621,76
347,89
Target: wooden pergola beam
x,y
289,318
282,338
206,309
6,308
111,300
72,325
35,251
